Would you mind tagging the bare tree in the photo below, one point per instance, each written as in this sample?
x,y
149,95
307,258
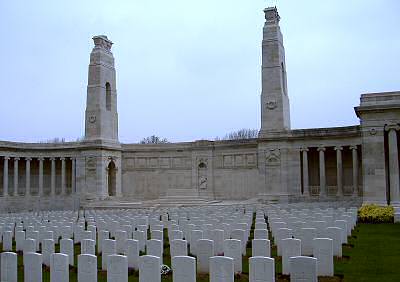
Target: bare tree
x,y
153,140
244,133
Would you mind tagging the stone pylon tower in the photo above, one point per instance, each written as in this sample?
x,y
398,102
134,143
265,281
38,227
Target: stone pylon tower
x,y
275,110
101,122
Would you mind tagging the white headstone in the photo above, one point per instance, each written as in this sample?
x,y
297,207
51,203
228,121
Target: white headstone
x,y
221,269
33,267
117,268
155,248
240,234
103,234
19,240
59,270
87,268
29,246
109,248
120,238
47,250
7,240
67,247
8,266
261,247
261,269
303,269
307,236
260,234
178,247
335,233
195,235
183,269
149,269
132,252
205,250
176,234
290,248
218,238
323,252
88,247
233,249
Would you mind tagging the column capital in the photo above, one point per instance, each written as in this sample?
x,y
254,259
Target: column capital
x,y
72,158
353,147
392,126
16,159
338,148
321,149
304,149
41,159
52,159
62,158
6,158
28,159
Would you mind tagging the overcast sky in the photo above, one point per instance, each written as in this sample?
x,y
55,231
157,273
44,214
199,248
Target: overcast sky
x,y
189,70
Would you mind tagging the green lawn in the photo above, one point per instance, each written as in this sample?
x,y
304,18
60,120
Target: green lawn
x,y
372,254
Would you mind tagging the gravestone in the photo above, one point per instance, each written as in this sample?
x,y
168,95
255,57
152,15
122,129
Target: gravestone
x,y
88,247
117,268
335,233
307,236
261,247
103,234
205,250
260,234
290,248
149,269
109,248
323,252
132,253
261,269
47,251
178,247
155,248
67,247
59,270
233,249
218,238
183,269
8,266
7,241
33,267
87,268
221,269
303,269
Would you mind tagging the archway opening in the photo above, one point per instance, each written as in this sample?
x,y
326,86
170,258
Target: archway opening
x,y
111,179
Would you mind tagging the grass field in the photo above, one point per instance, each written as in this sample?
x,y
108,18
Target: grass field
x,y
372,254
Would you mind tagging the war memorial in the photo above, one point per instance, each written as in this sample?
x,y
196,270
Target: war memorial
x,y
101,210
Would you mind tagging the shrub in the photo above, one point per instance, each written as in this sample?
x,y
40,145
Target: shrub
x,y
376,214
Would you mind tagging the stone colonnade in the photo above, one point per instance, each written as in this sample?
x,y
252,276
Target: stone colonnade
x,y
322,171
41,160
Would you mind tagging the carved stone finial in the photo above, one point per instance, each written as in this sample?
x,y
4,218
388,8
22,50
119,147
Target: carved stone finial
x,y
271,15
101,41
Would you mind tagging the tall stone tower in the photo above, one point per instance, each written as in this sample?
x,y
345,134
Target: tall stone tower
x,y
101,121
275,110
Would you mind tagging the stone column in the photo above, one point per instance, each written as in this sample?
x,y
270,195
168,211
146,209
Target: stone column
x,y
306,188
5,176
16,176
322,173
355,169
62,176
41,176
393,164
53,176
73,175
28,176
339,171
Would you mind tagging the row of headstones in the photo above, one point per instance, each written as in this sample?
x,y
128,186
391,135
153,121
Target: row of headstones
x,y
261,269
